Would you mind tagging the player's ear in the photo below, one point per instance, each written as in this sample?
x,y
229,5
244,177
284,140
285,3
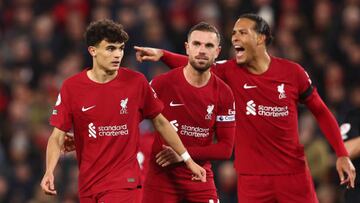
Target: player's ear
x,y
92,51
261,39
187,47
218,50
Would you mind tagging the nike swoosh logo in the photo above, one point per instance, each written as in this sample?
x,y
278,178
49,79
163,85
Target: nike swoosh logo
x,y
173,104
246,86
83,109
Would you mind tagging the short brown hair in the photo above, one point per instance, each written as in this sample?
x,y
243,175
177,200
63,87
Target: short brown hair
x,y
105,30
206,27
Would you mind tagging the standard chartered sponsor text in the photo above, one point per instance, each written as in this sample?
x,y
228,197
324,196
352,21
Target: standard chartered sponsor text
x,y
194,131
274,111
114,130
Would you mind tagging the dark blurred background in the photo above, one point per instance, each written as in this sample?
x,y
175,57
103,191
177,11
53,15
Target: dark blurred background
x,y
41,44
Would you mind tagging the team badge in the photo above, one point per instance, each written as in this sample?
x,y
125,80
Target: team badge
x,y
280,89
209,110
123,104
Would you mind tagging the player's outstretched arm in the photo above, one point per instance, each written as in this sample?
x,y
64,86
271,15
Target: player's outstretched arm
x,y
172,60
148,54
165,129
329,127
53,151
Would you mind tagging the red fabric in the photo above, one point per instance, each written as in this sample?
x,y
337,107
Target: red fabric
x,y
158,194
327,123
125,195
297,188
4,100
219,151
105,119
198,115
63,9
174,60
267,139
145,143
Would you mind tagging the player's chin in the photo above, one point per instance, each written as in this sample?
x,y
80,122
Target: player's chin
x,y
240,60
114,67
202,67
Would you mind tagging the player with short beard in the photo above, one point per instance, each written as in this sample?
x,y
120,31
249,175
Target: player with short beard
x,y
269,158
198,105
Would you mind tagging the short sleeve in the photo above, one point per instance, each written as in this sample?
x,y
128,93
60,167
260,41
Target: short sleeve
x,y
155,85
61,116
151,104
226,108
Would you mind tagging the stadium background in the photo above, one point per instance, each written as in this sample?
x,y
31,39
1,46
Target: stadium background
x,y
41,44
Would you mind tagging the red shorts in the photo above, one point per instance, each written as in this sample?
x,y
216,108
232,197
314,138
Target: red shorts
x,y
276,189
125,195
190,192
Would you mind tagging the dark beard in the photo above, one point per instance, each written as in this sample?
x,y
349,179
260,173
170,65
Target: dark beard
x,y
198,69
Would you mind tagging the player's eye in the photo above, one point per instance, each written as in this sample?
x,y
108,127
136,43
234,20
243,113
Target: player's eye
x,y
196,44
209,46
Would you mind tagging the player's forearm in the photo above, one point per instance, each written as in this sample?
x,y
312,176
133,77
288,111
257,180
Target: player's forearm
x,y
165,129
173,60
53,150
353,147
218,151
327,123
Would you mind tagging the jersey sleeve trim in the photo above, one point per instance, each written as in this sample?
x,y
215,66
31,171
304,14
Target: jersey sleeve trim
x,y
306,93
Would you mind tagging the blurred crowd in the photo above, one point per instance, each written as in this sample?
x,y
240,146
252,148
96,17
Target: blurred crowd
x,y
41,44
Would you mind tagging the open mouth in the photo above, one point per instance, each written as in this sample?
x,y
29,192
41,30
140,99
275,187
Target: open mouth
x,y
115,63
239,50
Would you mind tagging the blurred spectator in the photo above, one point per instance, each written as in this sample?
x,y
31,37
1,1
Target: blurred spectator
x,y
226,182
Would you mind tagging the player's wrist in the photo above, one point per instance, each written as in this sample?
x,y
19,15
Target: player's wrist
x,y
185,156
49,172
160,53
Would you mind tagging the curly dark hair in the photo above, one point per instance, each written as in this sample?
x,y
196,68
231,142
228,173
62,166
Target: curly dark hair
x,y
261,26
105,30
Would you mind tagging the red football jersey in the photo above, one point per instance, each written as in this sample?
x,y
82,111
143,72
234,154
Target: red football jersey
x,y
267,140
195,113
105,119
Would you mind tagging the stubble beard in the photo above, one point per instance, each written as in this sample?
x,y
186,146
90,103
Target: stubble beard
x,y
200,69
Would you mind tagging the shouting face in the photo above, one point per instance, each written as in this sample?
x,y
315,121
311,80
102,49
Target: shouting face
x,y
245,40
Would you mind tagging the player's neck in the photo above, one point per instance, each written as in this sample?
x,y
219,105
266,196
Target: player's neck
x,y
260,63
100,75
196,78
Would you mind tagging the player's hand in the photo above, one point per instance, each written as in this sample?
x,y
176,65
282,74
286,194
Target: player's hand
x,y
148,54
199,174
167,156
346,171
47,184
69,143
